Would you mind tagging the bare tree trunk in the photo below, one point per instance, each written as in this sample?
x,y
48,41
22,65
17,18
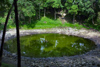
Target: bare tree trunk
x,y
55,13
17,33
30,20
44,11
39,11
73,18
37,16
92,21
3,36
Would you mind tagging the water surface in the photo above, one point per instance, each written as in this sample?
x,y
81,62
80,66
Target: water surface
x,y
50,45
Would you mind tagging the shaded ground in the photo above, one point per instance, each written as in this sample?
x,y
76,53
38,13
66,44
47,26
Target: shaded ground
x,y
89,59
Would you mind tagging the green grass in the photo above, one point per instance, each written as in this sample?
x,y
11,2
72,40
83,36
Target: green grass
x,y
76,25
45,23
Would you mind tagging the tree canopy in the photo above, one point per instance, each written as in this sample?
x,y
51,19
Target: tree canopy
x,y
87,10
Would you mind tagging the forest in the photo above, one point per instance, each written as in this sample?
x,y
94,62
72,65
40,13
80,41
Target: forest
x,y
65,17
33,13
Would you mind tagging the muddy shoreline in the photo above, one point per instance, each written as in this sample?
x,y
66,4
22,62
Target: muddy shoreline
x,y
89,59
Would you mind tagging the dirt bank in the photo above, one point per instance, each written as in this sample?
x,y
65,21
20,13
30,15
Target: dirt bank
x,y
89,59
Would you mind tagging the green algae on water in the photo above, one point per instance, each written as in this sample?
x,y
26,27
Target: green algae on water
x,y
50,45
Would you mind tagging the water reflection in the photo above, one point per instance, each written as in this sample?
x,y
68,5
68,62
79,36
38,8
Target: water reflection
x,y
50,45
56,43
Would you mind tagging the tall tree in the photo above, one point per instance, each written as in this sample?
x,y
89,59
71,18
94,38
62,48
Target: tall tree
x,y
17,30
45,5
39,3
28,10
72,8
86,7
55,4
18,34
3,36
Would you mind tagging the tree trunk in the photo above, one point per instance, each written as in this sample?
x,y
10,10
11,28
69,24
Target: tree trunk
x,y
18,34
30,20
73,18
92,21
39,12
55,13
44,11
4,32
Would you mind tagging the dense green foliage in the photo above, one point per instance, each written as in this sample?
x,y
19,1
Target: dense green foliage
x,y
31,12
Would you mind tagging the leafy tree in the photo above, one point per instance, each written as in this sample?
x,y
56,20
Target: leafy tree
x,y
98,3
86,8
39,3
72,7
4,6
45,5
73,11
28,10
55,4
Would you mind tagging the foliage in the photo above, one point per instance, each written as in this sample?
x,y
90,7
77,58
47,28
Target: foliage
x,y
73,9
56,3
28,11
86,8
32,10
